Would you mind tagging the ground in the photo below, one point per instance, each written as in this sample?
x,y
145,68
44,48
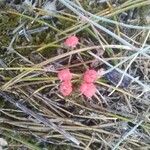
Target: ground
x,y
113,36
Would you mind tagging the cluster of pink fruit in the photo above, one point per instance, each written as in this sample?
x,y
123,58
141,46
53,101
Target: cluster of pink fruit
x,y
87,87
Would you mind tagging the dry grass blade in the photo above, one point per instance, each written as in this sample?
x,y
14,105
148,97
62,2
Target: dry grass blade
x,y
127,134
113,40
39,118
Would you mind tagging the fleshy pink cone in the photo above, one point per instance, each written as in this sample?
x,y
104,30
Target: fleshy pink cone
x,y
90,76
71,41
66,88
88,89
65,75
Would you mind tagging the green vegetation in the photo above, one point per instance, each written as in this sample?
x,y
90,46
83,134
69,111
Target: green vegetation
x,y
113,35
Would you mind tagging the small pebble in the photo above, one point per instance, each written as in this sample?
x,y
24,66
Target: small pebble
x,y
114,77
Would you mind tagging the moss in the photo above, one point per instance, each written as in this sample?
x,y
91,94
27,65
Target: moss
x,y
143,13
7,24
